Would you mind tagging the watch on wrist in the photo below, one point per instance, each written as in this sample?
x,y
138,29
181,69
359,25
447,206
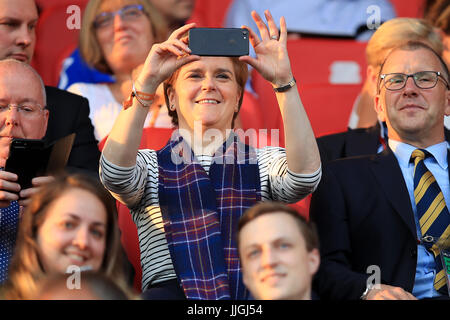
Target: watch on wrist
x,y
286,87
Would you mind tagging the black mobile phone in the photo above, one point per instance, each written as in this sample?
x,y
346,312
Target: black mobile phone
x,y
225,42
28,159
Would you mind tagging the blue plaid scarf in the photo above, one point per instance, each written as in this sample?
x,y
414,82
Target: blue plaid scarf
x,y
201,213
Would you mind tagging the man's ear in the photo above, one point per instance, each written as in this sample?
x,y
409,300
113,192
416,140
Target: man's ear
x,y
313,261
46,115
379,108
447,107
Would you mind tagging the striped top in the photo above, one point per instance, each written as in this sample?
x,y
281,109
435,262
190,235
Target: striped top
x,y
137,188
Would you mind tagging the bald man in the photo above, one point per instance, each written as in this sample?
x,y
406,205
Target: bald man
x,y
68,112
23,114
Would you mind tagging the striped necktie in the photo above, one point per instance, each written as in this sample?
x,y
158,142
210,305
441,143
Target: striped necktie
x,y
9,220
434,218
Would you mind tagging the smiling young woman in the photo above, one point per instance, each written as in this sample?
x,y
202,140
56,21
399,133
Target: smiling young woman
x,y
69,222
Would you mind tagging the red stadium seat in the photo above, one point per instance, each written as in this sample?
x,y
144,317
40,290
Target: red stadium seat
x,y
54,39
152,138
209,13
411,8
250,113
329,75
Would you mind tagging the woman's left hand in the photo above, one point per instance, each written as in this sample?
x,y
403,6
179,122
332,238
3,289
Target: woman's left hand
x,y
272,60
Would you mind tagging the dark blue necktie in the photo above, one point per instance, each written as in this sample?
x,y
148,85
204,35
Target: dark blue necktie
x,y
9,220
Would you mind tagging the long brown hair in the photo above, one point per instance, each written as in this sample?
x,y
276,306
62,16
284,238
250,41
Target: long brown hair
x,y
26,269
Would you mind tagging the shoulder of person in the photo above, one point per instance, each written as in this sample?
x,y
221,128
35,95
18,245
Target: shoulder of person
x,y
54,93
354,164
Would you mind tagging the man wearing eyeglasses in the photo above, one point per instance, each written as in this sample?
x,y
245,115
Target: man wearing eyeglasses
x,y
22,115
379,240
25,113
366,140
67,112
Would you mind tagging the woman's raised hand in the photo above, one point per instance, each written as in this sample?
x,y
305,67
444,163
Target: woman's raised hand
x,y
164,58
272,60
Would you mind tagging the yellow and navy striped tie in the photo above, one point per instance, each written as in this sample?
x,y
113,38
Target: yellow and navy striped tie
x,y
433,214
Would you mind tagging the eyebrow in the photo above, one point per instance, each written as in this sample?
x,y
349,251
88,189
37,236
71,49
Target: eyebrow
x,y
276,240
17,20
216,71
96,223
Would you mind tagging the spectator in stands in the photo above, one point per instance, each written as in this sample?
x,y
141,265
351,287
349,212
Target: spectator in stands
x,y
68,112
316,18
363,141
70,222
374,226
279,252
175,12
197,180
23,114
388,35
116,37
89,286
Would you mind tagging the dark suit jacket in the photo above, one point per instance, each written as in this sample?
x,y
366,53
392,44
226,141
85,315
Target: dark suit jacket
x,y
364,217
353,142
70,113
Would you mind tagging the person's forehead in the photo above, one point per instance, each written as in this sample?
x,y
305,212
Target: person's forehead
x,y
210,63
20,84
76,208
407,61
24,10
270,227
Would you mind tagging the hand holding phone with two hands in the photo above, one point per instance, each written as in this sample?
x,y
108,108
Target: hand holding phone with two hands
x,y
14,159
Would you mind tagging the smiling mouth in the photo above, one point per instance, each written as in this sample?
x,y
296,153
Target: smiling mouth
x,y
411,107
272,278
207,101
77,258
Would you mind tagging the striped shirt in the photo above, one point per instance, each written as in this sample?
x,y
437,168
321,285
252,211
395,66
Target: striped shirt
x,y
137,188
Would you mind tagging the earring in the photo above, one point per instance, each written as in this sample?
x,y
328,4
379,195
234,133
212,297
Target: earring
x,y
172,108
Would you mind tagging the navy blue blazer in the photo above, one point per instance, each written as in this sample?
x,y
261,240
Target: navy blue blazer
x,y
353,142
364,217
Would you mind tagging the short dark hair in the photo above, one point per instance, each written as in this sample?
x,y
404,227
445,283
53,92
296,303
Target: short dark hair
x,y
307,228
412,46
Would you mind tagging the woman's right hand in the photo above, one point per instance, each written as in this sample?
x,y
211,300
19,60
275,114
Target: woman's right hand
x,y
164,58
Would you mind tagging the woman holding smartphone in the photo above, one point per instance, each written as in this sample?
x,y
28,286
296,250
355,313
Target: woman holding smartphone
x,y
187,198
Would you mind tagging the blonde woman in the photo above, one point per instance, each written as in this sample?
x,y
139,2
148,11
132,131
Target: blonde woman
x,y
116,37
